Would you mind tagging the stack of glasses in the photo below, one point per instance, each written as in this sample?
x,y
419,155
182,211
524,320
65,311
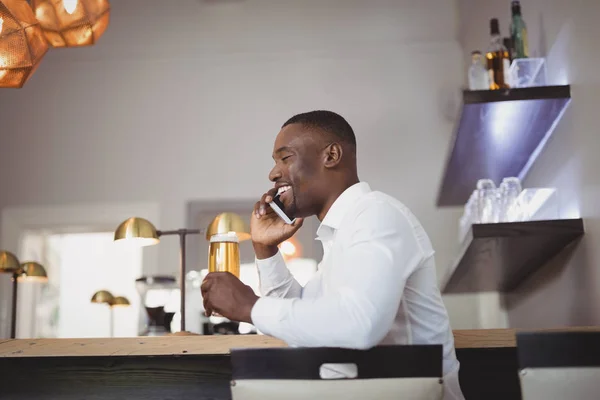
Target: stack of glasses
x,y
506,203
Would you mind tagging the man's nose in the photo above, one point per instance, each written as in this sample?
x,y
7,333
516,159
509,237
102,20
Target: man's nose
x,y
275,174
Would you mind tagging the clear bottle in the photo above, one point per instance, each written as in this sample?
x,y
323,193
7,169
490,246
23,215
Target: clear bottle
x,y
498,60
478,76
518,32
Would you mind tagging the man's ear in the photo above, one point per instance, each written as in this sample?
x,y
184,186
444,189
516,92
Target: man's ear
x,y
333,155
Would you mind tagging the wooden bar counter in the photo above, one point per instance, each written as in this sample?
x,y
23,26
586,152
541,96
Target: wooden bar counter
x,y
195,367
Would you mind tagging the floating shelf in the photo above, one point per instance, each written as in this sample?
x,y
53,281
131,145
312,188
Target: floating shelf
x,y
498,257
499,134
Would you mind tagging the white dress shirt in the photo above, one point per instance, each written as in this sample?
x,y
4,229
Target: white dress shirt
x,y
375,285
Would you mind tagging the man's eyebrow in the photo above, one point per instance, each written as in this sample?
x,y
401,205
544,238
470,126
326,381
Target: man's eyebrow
x,y
281,150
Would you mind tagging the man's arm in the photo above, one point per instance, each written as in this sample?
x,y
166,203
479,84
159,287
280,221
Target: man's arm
x,y
275,279
360,311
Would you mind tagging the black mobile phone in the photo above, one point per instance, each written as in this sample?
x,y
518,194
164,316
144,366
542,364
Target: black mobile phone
x,y
277,205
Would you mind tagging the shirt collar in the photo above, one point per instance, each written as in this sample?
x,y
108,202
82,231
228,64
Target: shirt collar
x,y
341,206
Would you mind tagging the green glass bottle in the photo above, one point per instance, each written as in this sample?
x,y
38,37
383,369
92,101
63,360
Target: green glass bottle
x,y
518,32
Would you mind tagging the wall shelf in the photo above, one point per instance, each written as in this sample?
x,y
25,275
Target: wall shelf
x,y
498,257
499,134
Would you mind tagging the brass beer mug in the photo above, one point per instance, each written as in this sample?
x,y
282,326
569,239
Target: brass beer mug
x,y
224,253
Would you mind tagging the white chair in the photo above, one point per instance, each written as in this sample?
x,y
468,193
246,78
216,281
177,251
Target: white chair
x,y
559,365
384,372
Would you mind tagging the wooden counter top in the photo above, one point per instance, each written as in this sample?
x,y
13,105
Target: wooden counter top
x,y
135,346
197,344
199,367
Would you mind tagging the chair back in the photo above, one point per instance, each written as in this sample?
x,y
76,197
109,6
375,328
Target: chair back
x,y
559,365
383,372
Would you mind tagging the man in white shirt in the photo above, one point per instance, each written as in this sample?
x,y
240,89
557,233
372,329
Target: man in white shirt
x,y
377,281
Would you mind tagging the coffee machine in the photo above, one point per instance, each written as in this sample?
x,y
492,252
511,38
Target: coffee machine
x,y
159,297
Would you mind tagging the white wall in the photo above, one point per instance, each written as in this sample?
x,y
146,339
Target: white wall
x,y
567,291
182,100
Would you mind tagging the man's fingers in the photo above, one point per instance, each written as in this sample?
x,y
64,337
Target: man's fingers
x,y
208,311
272,192
205,285
206,304
205,290
262,209
256,208
265,210
263,204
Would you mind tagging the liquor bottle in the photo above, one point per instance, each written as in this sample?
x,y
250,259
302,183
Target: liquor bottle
x,y
507,42
518,32
498,62
478,76
509,77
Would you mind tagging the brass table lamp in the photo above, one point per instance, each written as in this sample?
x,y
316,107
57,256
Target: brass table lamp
x,y
32,271
106,297
121,301
143,233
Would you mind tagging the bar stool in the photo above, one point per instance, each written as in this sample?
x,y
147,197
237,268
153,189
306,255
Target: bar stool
x,y
559,365
383,372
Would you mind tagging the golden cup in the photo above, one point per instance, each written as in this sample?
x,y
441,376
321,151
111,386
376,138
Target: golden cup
x,y
224,254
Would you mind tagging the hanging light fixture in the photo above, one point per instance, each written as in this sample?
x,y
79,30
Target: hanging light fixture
x,y
22,43
72,23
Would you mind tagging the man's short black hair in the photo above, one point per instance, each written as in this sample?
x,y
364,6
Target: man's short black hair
x,y
327,121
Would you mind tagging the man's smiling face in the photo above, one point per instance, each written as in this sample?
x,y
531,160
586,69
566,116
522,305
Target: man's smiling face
x,y
297,171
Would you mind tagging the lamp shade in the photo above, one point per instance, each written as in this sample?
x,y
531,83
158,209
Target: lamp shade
x,y
120,301
138,230
72,23
32,271
103,296
22,43
228,222
9,262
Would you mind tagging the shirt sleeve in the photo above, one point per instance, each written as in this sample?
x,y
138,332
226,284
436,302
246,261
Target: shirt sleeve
x,y
275,279
378,256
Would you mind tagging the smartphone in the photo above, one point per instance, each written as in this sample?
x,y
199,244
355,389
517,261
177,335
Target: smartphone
x,y
277,205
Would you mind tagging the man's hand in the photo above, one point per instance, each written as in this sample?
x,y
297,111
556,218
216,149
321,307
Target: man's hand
x,y
226,295
268,229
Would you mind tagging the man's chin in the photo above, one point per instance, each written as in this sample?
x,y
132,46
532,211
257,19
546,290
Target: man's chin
x,y
301,214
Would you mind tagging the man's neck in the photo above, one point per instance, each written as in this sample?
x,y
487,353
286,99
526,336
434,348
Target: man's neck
x,y
335,193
